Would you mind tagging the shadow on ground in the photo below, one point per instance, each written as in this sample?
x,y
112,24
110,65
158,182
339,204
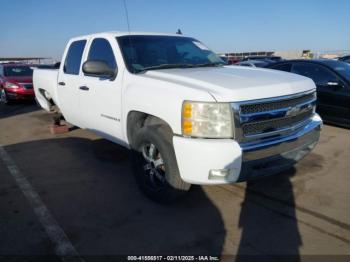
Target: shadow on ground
x,y
17,108
268,229
90,190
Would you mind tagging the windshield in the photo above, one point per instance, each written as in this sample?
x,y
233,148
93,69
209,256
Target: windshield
x,y
142,53
18,71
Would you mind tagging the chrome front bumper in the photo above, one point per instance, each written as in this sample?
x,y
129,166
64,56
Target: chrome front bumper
x,y
274,156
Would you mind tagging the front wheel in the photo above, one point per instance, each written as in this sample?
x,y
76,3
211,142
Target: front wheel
x,y
155,166
3,97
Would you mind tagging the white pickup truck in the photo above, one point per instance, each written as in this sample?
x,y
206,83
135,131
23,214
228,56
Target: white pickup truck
x,y
186,116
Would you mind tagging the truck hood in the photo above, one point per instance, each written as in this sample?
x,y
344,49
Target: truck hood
x,y
235,83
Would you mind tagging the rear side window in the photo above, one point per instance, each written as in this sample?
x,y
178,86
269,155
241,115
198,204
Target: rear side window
x,y
283,67
101,50
73,59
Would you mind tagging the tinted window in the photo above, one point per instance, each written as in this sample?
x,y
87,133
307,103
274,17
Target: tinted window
x,y
18,71
276,58
340,67
73,59
101,50
319,74
283,67
262,64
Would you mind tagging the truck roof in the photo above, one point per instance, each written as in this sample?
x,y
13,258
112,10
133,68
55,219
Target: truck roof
x,y
121,33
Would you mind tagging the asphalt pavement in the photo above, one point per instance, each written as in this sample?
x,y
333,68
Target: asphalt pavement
x,y
88,198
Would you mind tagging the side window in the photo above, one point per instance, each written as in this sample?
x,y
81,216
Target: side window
x,y
73,58
283,67
101,50
319,74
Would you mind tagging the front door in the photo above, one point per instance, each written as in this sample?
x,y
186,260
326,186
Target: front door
x,y
100,97
332,93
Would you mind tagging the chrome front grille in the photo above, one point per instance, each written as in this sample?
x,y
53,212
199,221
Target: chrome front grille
x,y
276,124
267,118
275,105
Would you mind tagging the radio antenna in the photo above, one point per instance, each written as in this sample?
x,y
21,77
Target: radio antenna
x,y
127,15
128,23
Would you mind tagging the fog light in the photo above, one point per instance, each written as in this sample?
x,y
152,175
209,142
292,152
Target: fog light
x,y
218,173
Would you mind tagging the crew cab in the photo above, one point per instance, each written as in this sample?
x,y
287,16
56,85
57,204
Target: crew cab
x,y
16,82
186,116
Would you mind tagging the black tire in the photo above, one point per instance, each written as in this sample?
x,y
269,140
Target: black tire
x,y
165,185
4,98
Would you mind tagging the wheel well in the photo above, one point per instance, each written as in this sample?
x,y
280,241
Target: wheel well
x,y
137,120
49,100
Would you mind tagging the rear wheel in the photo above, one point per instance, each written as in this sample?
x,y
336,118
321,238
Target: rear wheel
x,y
155,165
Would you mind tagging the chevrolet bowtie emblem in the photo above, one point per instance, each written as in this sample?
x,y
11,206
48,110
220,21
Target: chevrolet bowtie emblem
x,y
293,111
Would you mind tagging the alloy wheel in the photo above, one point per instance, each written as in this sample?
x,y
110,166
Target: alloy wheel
x,y
153,165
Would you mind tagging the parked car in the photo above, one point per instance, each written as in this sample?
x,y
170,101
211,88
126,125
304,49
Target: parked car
x,y
225,59
253,63
332,78
345,59
229,60
187,118
16,82
269,59
47,66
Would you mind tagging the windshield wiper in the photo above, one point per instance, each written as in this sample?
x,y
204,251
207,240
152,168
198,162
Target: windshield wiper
x,y
209,64
169,66
164,66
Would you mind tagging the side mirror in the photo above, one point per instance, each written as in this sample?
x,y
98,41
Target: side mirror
x,y
98,68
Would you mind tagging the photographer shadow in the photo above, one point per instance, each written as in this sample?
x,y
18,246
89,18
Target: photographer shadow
x,y
90,189
268,220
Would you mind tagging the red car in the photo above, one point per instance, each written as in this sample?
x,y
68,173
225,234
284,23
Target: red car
x,y
16,82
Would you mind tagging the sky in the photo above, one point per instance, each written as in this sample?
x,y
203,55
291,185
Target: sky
x,y
42,27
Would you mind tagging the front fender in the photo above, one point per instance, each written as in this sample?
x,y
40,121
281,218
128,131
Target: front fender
x,y
159,98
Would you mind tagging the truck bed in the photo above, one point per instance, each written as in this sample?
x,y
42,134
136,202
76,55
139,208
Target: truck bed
x,y
45,86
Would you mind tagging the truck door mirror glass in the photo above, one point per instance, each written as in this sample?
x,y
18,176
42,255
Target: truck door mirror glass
x,y
98,68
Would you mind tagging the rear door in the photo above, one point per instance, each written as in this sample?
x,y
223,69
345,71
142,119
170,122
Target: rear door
x,y
332,94
100,98
69,81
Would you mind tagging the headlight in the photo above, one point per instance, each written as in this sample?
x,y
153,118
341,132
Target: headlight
x,y
11,85
208,120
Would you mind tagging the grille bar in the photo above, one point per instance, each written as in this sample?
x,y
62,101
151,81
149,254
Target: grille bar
x,y
275,124
275,105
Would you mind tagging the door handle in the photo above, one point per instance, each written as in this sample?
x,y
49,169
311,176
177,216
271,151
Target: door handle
x,y
62,83
85,88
